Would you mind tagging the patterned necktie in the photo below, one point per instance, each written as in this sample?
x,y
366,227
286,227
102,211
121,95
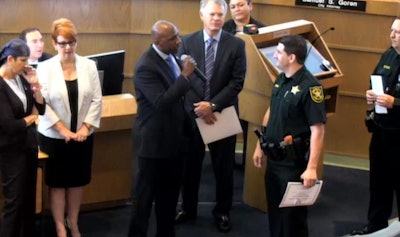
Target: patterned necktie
x,y
172,66
209,67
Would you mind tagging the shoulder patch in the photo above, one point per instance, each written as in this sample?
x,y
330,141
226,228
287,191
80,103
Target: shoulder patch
x,y
317,94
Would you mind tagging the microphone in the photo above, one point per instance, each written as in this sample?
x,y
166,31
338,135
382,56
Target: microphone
x,y
323,32
316,38
198,72
325,64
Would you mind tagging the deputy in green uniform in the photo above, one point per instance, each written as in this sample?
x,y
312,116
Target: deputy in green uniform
x,y
293,136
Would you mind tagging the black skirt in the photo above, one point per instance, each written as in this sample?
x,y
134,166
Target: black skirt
x,y
69,164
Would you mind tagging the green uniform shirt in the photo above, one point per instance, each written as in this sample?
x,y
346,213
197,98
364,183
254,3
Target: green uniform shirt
x,y
296,104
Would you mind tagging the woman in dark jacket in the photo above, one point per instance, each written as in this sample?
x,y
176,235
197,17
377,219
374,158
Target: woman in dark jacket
x,y
20,104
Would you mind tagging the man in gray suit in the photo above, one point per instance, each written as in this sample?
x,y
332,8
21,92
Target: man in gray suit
x,y
225,72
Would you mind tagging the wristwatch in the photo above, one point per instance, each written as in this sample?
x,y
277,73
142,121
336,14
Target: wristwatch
x,y
213,106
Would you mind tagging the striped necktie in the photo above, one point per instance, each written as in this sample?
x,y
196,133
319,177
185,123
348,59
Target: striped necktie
x,y
172,66
209,67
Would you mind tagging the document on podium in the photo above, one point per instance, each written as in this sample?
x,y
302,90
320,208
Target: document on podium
x,y
377,87
227,125
298,195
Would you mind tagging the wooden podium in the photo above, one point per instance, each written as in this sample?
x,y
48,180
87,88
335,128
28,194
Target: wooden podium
x,y
255,97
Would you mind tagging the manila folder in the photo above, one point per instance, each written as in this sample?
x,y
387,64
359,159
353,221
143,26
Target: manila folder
x,y
227,125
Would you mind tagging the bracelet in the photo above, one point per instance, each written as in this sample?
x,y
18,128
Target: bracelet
x,y
36,87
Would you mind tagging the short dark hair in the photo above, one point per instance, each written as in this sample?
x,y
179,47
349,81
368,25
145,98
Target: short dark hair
x,y
23,33
295,44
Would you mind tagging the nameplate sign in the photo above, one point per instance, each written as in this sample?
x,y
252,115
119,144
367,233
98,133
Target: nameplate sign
x,y
351,5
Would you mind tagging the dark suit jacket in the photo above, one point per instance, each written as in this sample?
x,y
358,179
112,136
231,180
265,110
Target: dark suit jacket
x,y
160,122
44,57
229,69
13,130
230,25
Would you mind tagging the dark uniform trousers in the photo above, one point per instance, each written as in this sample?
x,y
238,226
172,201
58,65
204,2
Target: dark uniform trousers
x,y
222,154
18,173
158,180
287,221
384,175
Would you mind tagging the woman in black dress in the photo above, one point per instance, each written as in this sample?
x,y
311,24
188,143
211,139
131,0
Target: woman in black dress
x,y
71,85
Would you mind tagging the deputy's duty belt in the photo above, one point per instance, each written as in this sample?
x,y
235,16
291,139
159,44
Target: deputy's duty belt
x,y
290,148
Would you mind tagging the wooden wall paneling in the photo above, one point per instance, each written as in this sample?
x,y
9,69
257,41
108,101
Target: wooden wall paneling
x,y
357,66
89,44
89,16
184,14
346,133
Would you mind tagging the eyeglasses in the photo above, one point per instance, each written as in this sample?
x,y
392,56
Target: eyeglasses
x,y
64,44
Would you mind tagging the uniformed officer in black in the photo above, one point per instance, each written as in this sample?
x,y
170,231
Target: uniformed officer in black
x,y
384,149
294,134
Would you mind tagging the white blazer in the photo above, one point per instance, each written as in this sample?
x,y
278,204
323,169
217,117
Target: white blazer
x,y
54,90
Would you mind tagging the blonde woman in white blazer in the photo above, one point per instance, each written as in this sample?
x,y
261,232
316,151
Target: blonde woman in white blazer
x,y
71,87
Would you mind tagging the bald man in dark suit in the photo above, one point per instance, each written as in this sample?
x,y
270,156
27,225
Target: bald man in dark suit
x,y
225,83
159,130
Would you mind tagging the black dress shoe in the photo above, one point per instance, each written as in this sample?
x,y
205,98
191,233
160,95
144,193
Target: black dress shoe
x,y
368,229
182,216
222,221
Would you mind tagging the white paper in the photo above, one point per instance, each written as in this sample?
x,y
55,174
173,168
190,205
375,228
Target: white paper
x,y
227,124
377,88
298,195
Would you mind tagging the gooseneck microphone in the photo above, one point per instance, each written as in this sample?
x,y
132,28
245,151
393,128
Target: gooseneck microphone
x,y
325,64
198,72
318,37
323,32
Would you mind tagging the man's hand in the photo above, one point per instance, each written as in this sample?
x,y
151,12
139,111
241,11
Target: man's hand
x,y
309,177
258,156
204,111
188,66
385,100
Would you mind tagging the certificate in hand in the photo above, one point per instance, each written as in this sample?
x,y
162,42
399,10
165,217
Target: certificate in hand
x,y
227,125
298,195
377,87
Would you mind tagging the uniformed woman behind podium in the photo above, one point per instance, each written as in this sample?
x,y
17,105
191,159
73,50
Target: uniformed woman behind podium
x,y
20,103
70,84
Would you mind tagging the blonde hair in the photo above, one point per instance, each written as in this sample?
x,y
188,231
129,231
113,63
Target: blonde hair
x,y
65,28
